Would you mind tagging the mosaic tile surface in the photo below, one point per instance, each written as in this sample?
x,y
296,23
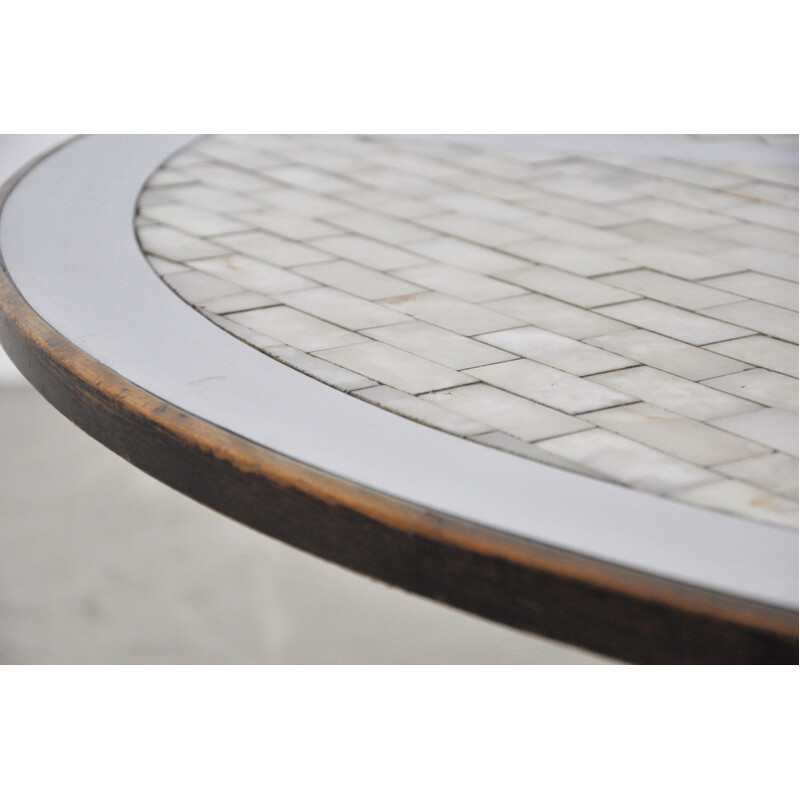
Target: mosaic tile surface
x,y
629,318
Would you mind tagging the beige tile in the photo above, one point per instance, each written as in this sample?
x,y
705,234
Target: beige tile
x,y
393,367
556,351
450,313
506,412
435,344
687,398
687,439
549,386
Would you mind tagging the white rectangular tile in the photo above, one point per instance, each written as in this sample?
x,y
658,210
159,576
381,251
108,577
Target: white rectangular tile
x,y
755,286
241,301
760,386
696,174
273,249
773,427
701,243
451,313
422,411
564,286
341,308
378,226
678,263
473,229
466,255
286,224
510,444
228,177
574,259
630,462
776,473
320,369
684,397
194,221
295,328
393,367
442,346
198,288
592,191
387,203
577,210
669,355
673,213
673,322
735,497
668,289
252,274
761,351
354,279
757,316
173,245
556,351
546,227
687,439
506,412
765,214
398,182
549,386
561,318
315,180
212,199
463,284
369,253
478,206
759,236
302,202
763,260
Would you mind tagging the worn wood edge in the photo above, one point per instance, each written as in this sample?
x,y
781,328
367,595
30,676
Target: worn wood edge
x,y
521,583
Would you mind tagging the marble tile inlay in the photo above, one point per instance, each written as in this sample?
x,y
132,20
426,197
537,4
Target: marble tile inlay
x,y
629,318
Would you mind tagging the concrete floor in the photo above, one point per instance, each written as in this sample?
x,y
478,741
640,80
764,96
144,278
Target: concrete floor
x,y
101,564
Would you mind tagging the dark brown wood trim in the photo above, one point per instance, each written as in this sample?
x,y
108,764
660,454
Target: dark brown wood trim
x,y
538,588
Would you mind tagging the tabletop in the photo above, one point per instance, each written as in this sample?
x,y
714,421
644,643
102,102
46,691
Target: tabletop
x,y
548,380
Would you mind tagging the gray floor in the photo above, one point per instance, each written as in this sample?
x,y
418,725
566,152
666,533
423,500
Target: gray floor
x,y
101,564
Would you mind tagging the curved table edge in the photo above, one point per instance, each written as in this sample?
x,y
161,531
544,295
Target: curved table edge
x,y
534,587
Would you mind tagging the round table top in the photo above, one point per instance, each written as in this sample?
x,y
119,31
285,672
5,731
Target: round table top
x,y
549,380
